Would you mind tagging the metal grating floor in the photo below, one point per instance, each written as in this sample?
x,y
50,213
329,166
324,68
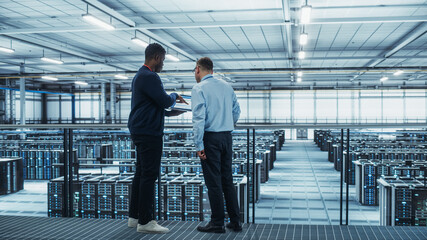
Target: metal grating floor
x,y
22,227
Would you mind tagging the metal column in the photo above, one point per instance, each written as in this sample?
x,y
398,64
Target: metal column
x,y
353,110
44,108
360,106
113,101
404,106
292,113
60,109
22,96
382,106
102,109
12,104
338,113
7,104
73,109
315,106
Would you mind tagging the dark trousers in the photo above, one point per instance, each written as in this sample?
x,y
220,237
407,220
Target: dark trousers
x,y
217,172
148,156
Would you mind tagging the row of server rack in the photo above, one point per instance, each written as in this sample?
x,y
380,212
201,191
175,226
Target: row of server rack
x,y
182,197
382,168
42,151
43,155
11,175
181,171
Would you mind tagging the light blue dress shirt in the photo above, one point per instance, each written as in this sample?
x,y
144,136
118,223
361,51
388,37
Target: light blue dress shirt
x,y
214,106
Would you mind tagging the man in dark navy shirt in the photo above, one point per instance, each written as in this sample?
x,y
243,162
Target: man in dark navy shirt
x,y
146,124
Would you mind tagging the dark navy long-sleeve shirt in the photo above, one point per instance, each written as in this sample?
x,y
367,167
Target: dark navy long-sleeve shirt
x,y
149,100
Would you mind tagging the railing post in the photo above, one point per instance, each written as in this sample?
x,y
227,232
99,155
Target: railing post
x,y
341,175
66,190
347,176
70,172
253,175
247,177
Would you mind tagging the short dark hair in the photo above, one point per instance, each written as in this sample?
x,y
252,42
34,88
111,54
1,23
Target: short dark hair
x,y
153,50
205,64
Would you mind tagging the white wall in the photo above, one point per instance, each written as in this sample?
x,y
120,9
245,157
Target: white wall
x,y
375,106
32,106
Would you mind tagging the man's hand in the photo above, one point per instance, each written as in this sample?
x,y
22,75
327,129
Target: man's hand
x,y
201,154
179,99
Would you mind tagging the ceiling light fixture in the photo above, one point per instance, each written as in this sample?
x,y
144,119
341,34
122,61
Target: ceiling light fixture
x,y
299,79
172,57
303,38
299,74
51,60
301,55
81,83
139,42
305,14
119,76
49,78
96,21
7,50
384,79
398,73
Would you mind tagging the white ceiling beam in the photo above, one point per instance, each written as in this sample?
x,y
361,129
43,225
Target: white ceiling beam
x,y
68,63
415,33
132,26
398,19
288,30
146,26
109,11
383,6
70,50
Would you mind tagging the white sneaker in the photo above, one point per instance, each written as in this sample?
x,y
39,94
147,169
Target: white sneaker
x,y
151,227
132,222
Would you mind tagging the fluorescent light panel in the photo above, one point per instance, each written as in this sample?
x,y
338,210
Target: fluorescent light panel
x,y
119,76
7,50
49,78
172,57
96,21
81,83
305,13
303,38
139,42
398,73
51,60
299,79
384,79
299,74
301,55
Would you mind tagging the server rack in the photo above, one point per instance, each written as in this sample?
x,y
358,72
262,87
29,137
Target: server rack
x,y
401,201
11,175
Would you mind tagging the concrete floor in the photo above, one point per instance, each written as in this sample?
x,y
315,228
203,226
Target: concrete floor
x,y
31,201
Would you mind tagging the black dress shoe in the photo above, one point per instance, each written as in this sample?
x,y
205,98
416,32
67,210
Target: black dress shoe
x,y
235,226
211,228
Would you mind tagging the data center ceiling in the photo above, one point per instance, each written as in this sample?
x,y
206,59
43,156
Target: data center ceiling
x,y
254,44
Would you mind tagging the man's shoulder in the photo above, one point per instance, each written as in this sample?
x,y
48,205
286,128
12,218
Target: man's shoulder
x,y
147,74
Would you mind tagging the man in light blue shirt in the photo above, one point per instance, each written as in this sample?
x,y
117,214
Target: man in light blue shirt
x,y
215,112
